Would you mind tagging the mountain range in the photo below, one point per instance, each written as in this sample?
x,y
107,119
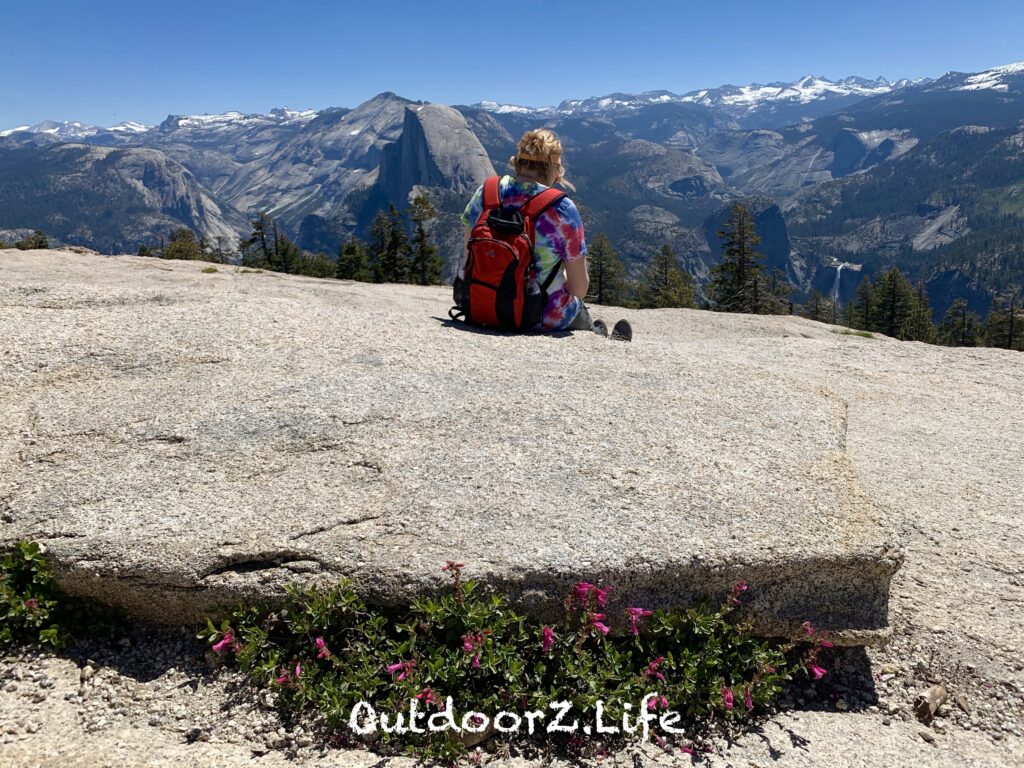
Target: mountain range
x,y
923,174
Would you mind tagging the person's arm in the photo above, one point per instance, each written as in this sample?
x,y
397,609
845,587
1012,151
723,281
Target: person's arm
x,y
577,278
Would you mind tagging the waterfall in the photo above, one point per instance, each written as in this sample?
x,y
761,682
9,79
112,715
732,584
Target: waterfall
x,y
835,285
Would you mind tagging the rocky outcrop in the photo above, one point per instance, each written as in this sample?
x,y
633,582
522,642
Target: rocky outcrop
x,y
175,456
314,171
436,149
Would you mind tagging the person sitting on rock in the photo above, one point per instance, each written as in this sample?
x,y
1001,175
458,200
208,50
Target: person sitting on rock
x,y
559,242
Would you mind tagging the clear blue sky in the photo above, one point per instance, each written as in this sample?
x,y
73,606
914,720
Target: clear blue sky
x,y
105,61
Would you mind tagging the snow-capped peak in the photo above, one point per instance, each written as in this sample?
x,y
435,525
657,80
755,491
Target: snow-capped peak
x,y
234,119
294,115
504,109
805,90
992,79
129,126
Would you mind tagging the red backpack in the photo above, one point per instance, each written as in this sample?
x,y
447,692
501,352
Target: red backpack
x,y
495,289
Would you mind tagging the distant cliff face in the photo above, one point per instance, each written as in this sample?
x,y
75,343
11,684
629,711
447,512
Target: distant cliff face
x,y
113,200
436,149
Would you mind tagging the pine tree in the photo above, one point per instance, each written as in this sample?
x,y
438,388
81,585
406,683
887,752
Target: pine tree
x,y
919,326
893,301
36,241
665,283
959,327
425,265
774,299
819,308
255,249
389,247
183,244
861,309
286,256
736,283
1004,327
607,273
353,262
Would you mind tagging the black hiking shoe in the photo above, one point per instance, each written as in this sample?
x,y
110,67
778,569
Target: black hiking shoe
x,y
622,331
600,328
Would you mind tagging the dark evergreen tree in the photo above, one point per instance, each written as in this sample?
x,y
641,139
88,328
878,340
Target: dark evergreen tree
x,y
389,247
774,299
183,244
893,301
286,256
607,273
36,241
425,265
819,308
737,282
665,283
1004,327
353,262
256,249
919,325
861,309
959,327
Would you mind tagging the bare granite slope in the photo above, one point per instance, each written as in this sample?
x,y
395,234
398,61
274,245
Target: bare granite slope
x,y
181,439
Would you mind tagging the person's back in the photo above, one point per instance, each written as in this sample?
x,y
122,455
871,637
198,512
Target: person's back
x,y
559,246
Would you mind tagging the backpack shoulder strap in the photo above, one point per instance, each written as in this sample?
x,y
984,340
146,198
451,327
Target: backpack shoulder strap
x,y
492,193
541,202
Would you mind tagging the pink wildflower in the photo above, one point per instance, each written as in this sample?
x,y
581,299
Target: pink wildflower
x,y
818,672
227,643
581,591
467,642
600,595
298,670
596,622
727,697
31,604
635,614
322,652
652,669
823,640
548,641
738,590
659,702
427,696
687,750
748,700
405,666
453,566
285,677
808,628
476,661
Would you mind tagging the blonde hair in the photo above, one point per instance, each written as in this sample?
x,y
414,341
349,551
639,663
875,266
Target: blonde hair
x,y
540,155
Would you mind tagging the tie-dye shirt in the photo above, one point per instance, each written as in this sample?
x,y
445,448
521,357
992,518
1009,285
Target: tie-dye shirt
x,y
558,238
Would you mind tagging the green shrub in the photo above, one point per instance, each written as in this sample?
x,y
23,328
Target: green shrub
x,y
209,270
28,598
326,651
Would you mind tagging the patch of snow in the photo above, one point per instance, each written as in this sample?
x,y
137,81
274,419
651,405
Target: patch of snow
x,y
19,129
355,132
130,126
992,79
